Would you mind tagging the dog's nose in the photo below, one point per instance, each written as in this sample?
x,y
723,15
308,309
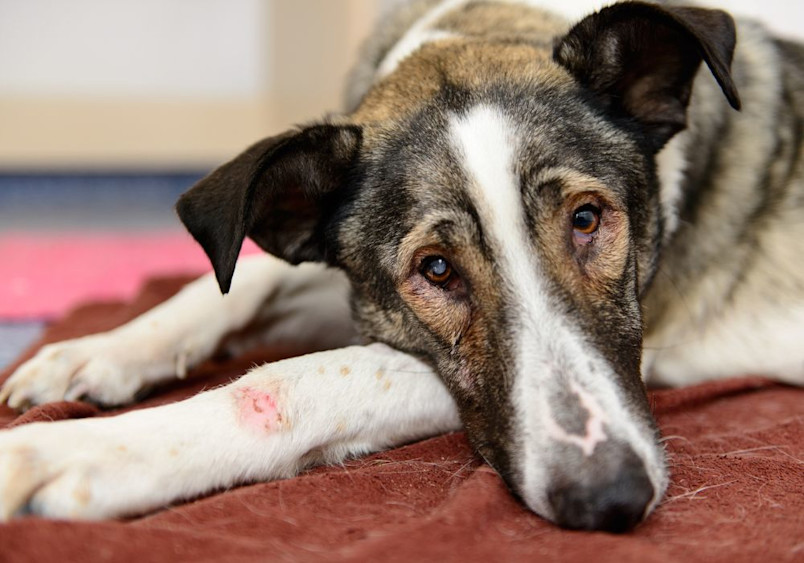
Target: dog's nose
x,y
614,505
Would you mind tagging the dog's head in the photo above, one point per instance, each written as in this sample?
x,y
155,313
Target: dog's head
x,y
497,211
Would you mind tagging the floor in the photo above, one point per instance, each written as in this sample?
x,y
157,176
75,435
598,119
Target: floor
x,y
68,238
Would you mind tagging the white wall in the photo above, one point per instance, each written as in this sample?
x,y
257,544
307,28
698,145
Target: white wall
x,y
152,48
785,17
165,83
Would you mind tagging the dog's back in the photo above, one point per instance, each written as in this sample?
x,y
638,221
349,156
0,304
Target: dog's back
x,y
728,298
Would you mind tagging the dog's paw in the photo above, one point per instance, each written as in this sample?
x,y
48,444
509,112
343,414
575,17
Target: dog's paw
x,y
68,470
96,368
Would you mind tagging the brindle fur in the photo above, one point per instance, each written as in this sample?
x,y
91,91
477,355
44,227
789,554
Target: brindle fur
x,y
379,184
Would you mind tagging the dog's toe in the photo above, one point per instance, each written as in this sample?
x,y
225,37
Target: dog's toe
x,y
87,368
22,473
104,382
63,470
44,378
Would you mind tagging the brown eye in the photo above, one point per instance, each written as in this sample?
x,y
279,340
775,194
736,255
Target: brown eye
x,y
586,220
437,270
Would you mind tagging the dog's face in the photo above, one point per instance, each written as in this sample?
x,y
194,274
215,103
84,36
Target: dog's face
x,y
502,225
511,254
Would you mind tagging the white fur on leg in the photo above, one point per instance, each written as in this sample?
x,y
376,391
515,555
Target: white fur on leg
x,y
271,423
308,302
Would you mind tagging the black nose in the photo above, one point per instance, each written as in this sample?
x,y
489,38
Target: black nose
x,y
615,505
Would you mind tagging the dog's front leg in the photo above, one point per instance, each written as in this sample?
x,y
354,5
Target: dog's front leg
x,y
274,421
306,305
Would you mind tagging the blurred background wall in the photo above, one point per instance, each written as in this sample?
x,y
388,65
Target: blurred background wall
x,y
165,83
185,83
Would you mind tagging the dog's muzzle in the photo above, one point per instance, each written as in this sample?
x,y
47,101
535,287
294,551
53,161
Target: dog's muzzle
x,y
586,459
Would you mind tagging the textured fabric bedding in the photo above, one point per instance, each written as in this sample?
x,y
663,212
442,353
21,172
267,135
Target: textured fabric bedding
x,y
736,451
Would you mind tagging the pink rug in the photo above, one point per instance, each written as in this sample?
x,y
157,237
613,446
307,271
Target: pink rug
x,y
42,275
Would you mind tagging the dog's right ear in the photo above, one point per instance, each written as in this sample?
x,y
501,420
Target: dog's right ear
x,y
279,192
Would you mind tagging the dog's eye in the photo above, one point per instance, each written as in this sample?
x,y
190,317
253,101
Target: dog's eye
x,y
586,219
437,270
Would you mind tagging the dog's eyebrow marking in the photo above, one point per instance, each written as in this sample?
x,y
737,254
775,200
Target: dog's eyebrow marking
x,y
594,433
257,409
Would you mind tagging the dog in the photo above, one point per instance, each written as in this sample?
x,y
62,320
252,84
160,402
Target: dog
x,y
518,221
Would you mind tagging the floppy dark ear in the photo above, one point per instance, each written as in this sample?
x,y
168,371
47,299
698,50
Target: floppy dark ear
x,y
279,192
641,59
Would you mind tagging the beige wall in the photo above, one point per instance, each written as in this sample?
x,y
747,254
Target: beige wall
x,y
67,103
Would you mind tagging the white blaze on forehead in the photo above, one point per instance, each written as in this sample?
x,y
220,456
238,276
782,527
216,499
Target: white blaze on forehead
x,y
486,142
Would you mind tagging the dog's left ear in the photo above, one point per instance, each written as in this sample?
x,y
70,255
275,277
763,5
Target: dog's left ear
x,y
640,59
279,192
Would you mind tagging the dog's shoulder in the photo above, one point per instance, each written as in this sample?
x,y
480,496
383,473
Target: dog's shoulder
x,y
387,33
404,31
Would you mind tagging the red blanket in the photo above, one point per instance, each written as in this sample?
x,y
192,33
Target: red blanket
x,y
736,451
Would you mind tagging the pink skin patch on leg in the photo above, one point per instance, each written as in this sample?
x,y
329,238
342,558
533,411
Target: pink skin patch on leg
x,y
257,409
